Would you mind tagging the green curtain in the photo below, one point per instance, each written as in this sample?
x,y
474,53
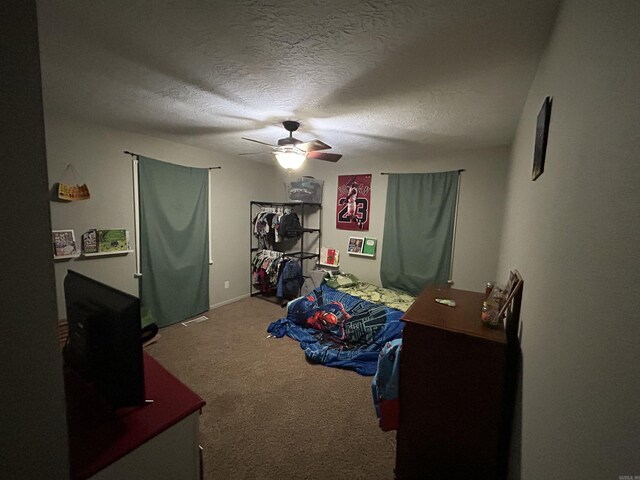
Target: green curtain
x,y
418,230
174,236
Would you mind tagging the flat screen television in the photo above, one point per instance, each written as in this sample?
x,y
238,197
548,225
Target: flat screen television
x,y
104,344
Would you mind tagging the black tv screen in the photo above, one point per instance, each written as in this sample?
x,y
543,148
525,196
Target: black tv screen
x,y
105,342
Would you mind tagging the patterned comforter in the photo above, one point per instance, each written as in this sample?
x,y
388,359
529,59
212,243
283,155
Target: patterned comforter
x,y
338,329
386,296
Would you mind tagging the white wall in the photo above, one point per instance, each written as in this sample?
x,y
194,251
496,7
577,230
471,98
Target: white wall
x,y
97,154
573,234
479,216
33,438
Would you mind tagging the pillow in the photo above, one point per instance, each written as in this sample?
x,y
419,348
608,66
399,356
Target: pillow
x,y
341,280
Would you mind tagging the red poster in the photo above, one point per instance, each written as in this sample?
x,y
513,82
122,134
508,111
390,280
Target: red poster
x,y
354,199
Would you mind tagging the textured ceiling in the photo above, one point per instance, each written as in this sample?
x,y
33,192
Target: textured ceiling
x,y
367,77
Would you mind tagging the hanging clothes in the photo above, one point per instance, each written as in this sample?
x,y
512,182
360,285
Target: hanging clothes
x,y
273,273
272,226
290,281
265,268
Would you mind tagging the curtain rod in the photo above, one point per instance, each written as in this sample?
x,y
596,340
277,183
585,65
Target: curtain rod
x,y
136,155
387,173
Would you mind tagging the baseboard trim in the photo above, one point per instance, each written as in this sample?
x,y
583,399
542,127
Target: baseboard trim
x,y
227,302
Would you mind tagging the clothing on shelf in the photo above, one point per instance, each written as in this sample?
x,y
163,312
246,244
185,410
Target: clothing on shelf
x,y
265,266
272,272
290,279
273,225
280,228
262,228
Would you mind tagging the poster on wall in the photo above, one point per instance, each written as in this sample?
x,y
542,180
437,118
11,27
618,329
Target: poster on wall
x,y
354,200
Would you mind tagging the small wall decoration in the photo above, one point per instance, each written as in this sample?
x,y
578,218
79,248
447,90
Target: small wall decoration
x,y
355,244
365,246
354,199
369,246
329,257
64,244
113,240
90,241
72,187
542,132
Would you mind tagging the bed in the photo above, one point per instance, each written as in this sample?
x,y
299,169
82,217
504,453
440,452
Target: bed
x,y
342,327
385,296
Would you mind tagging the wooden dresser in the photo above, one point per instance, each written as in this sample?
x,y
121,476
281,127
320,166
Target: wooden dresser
x,y
456,390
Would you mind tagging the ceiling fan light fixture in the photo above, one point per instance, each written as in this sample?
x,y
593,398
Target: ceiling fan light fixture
x,y
291,152
290,160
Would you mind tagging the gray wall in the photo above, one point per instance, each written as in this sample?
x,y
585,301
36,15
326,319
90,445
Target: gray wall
x,y
33,438
573,234
482,192
97,154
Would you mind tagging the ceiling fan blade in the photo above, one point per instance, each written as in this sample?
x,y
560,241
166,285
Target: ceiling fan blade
x,y
258,141
329,157
312,146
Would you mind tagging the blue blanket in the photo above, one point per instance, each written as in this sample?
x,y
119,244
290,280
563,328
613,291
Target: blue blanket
x,y
339,330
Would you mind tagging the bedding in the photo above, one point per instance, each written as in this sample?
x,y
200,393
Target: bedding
x,y
386,296
338,329
385,385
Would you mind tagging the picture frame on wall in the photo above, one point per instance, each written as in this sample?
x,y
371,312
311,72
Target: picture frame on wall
x,y
355,244
112,240
542,133
64,244
363,246
369,246
353,203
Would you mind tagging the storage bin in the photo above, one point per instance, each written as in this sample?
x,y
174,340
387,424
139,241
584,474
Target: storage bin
x,y
305,189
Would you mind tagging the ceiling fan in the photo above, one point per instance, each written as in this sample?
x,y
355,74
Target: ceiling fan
x,y
291,152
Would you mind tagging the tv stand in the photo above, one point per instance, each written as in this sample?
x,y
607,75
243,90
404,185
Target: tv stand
x,y
153,440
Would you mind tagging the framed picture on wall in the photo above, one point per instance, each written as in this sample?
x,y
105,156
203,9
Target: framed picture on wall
x,y
542,132
113,240
363,246
353,202
64,244
355,244
369,246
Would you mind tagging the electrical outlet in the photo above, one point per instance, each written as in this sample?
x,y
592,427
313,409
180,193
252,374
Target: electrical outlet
x,y
226,284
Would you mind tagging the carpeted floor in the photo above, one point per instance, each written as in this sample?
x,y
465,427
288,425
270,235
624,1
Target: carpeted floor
x,y
270,414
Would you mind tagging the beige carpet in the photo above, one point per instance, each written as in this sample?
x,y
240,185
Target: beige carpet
x,y
270,414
